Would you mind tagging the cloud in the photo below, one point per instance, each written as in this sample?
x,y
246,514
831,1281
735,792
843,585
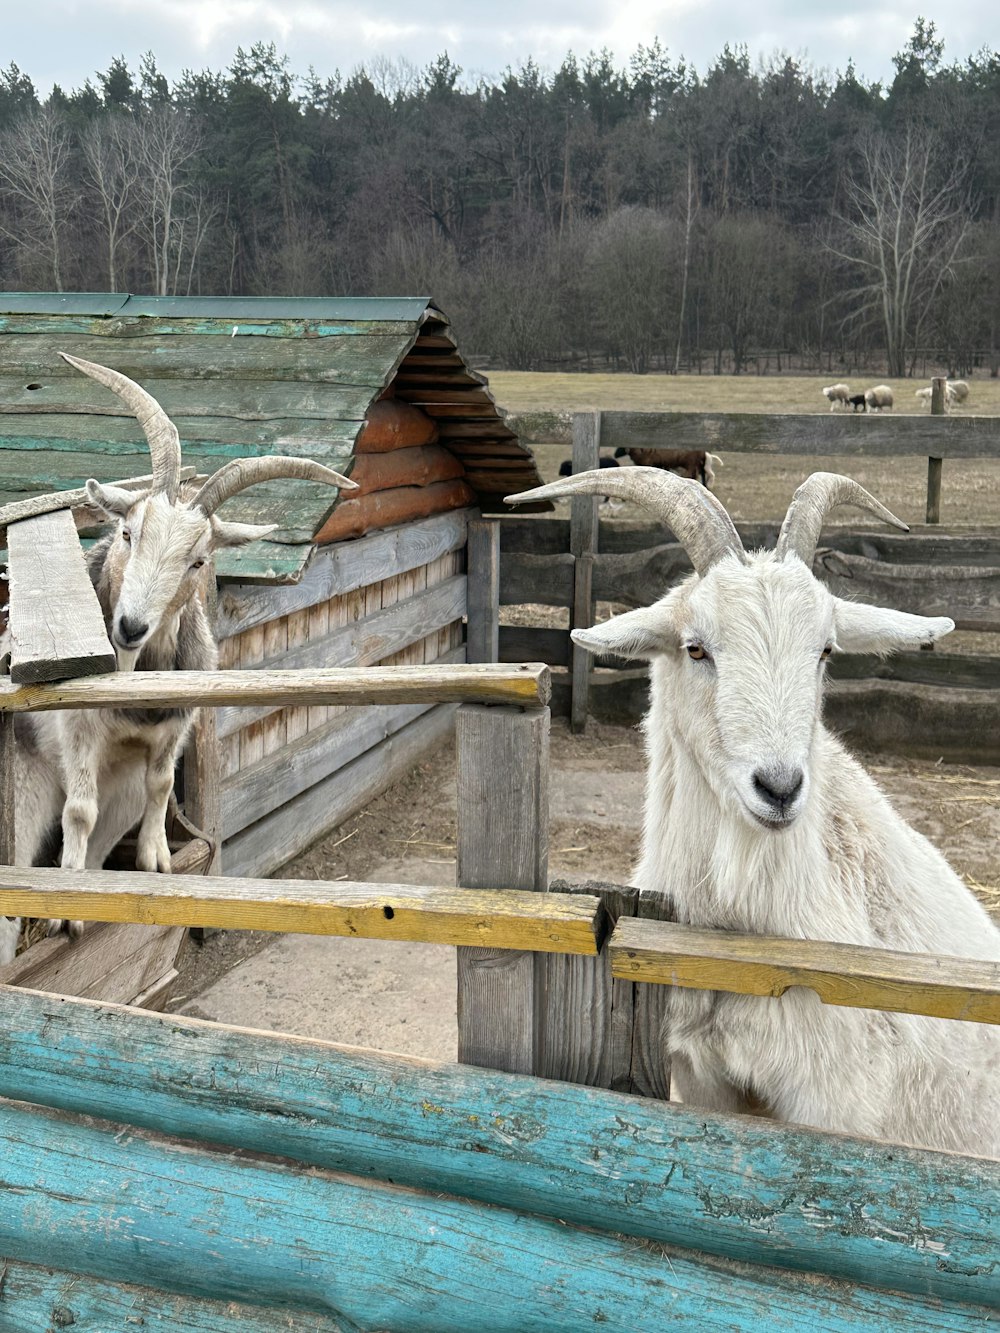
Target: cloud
x,y
66,41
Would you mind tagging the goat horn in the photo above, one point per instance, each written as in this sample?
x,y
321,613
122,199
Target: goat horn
x,y
810,505
243,472
161,433
691,512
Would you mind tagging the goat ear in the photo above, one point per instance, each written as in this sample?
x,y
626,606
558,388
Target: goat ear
x,y
238,534
112,500
645,633
874,629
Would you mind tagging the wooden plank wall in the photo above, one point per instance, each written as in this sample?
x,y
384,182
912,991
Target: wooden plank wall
x,y
278,767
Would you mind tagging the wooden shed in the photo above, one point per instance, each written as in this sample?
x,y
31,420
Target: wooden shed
x,y
375,388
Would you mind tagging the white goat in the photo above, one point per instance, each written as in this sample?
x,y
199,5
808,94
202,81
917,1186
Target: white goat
x,y
837,393
101,772
757,820
879,398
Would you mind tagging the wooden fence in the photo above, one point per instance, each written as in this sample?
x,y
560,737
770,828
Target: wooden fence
x,y
575,563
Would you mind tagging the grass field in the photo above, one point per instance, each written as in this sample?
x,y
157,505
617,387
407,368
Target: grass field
x,y
758,486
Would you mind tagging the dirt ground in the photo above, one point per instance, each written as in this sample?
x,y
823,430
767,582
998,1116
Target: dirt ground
x,y
597,780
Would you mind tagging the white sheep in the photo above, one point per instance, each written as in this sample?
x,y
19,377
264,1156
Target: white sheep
x,y
925,396
879,398
958,389
837,393
758,820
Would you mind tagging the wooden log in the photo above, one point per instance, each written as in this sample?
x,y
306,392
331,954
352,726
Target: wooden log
x,y
265,846
176,1217
390,424
501,919
482,639
364,642
843,974
525,687
867,435
744,1189
56,623
385,509
423,465
503,821
42,1298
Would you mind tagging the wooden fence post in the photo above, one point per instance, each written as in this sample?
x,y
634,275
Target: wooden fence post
x,y
935,465
202,802
7,784
583,537
503,828
482,643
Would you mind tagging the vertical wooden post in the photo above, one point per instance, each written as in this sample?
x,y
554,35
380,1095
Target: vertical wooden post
x,y
7,785
935,465
503,843
583,537
202,804
482,642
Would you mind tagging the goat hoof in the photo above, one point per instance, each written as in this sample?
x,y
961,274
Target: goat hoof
x,y
74,929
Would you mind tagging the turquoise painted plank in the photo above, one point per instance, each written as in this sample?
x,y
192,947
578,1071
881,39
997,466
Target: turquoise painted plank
x,y
746,1189
322,309
69,434
119,327
263,562
62,303
38,1300
101,1200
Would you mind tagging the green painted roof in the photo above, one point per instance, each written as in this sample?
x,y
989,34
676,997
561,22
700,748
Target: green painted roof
x,y
239,376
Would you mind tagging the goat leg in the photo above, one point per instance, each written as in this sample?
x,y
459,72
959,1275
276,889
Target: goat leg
x,y
80,810
153,850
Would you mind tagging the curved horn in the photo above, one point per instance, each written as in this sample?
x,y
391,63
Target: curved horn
x,y
160,432
691,512
243,472
810,505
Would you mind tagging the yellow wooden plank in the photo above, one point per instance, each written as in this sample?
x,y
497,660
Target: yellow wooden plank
x,y
527,686
844,974
501,919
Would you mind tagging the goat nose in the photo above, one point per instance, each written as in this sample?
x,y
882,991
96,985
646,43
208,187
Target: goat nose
x,y
778,786
131,631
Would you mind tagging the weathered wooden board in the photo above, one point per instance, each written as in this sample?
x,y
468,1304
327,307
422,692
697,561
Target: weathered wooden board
x,y
344,568
115,963
362,643
744,1189
47,504
429,914
525,687
176,1217
36,1300
483,594
503,827
843,974
56,623
801,433
265,846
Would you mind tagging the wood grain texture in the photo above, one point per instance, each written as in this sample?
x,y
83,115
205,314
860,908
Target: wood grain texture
x,y
109,962
502,919
526,686
36,1300
360,643
175,1216
420,466
343,568
503,823
796,433
744,1189
482,638
842,974
203,782
265,846
56,624
388,508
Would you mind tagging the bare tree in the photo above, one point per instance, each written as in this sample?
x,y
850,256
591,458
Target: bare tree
x,y
173,212
36,179
907,218
111,169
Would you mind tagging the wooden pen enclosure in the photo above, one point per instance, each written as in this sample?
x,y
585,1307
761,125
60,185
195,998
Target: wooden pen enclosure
x,y
376,389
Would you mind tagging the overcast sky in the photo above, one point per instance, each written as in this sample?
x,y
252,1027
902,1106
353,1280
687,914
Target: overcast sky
x,y
66,41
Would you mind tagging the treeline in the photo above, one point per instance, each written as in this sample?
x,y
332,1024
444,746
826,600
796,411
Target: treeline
x,y
650,217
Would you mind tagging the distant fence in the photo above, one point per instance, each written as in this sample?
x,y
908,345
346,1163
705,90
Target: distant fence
x,y
578,562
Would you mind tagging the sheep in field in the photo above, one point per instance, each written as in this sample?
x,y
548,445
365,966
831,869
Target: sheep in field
x,y
837,394
695,464
858,400
879,398
758,820
99,773
958,390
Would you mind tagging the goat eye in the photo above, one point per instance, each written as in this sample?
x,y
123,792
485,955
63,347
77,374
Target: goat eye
x,y
826,652
697,653
197,564
126,536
